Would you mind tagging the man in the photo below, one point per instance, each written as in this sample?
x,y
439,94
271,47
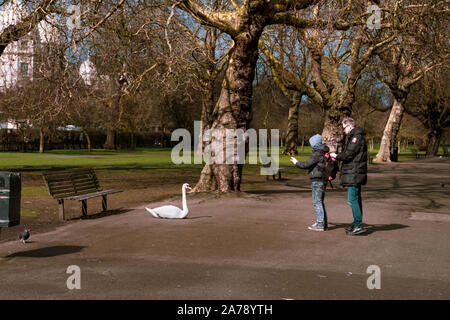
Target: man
x,y
354,171
314,164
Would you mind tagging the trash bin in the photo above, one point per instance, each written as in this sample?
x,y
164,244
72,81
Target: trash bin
x,y
394,155
10,193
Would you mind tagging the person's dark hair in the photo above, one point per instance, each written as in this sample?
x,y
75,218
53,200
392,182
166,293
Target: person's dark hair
x,y
348,121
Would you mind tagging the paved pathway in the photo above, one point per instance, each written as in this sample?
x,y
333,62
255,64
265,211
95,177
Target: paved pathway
x,y
252,246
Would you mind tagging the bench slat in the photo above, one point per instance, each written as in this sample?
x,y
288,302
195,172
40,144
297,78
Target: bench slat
x,y
71,182
73,185
93,195
71,178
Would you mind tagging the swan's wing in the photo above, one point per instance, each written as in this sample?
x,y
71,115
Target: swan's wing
x,y
152,212
168,211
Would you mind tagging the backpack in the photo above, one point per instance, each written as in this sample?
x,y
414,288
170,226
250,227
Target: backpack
x,y
330,168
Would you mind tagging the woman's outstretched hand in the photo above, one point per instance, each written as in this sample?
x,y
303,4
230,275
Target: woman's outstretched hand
x,y
293,160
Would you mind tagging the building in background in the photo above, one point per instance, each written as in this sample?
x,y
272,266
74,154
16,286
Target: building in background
x,y
17,62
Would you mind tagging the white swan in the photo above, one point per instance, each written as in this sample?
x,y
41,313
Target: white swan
x,y
172,211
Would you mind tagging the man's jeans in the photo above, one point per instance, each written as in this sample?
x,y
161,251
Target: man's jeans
x,y
318,194
355,202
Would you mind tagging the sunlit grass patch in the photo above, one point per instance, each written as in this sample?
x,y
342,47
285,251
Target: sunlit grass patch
x,y
34,191
28,213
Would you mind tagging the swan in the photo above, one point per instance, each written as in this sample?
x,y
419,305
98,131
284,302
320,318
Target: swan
x,y
172,211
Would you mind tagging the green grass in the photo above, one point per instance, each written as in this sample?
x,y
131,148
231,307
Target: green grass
x,y
34,191
28,214
141,159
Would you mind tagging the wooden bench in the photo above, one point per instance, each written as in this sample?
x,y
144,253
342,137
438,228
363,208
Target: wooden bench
x,y
76,184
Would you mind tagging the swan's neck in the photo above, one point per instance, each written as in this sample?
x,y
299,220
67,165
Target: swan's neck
x,y
185,208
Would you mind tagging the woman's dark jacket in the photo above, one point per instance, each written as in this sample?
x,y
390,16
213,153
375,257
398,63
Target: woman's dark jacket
x,y
354,159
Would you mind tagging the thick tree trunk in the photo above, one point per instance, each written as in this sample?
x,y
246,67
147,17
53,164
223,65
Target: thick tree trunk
x,y
389,140
434,139
207,181
233,109
206,116
332,134
41,141
291,142
112,108
110,141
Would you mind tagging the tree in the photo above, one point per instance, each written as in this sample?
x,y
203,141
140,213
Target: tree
x,y
296,58
21,28
244,22
135,53
429,103
328,71
419,47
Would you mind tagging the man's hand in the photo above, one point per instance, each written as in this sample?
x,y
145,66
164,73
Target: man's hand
x,y
333,155
293,160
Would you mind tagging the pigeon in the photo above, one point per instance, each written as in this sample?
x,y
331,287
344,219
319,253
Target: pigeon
x,y
25,235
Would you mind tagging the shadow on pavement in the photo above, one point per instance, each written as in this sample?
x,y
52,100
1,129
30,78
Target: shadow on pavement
x,y
47,252
102,214
278,191
370,228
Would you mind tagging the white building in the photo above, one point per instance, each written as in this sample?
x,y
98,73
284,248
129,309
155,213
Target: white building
x,y
17,61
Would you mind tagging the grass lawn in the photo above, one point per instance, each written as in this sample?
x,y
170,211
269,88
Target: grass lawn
x,y
145,176
141,159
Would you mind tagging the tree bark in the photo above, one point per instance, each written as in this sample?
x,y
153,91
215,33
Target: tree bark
x,y
291,142
88,139
41,141
110,132
332,134
233,108
110,141
434,139
207,181
389,140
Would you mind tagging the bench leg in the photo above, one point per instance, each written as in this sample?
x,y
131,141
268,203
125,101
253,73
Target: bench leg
x,y
61,209
84,207
104,203
279,175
